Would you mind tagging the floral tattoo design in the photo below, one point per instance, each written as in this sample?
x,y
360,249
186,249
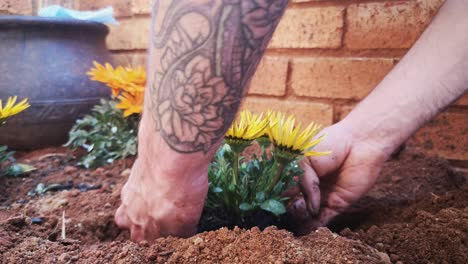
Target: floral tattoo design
x,y
207,52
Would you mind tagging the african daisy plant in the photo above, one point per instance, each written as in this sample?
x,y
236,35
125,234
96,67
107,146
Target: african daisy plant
x,y
7,110
243,186
109,132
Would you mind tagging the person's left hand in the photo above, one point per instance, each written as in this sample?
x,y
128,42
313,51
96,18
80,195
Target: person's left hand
x,y
332,183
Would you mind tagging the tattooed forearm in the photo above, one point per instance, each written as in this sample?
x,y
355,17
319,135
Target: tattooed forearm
x,y
204,53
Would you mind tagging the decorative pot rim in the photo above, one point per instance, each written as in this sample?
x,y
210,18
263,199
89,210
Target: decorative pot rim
x,y
48,22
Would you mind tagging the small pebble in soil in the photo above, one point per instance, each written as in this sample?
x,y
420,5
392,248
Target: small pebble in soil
x,y
394,257
144,243
37,220
68,241
384,257
84,187
70,169
126,172
73,193
22,201
64,257
197,241
255,230
99,171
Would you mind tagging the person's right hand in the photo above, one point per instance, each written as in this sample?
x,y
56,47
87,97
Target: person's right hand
x,y
332,183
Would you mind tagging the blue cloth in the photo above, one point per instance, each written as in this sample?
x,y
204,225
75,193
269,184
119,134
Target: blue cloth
x,y
105,15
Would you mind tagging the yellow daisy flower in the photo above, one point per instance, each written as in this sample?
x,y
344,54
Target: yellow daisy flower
x,y
130,80
105,74
290,140
135,75
242,132
249,127
127,84
11,108
131,104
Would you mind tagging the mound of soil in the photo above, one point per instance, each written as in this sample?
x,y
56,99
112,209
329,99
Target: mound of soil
x,y
417,213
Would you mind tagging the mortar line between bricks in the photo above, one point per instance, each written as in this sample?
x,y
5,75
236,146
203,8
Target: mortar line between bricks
x,y
345,28
336,113
338,53
320,100
337,3
131,51
307,53
143,15
289,90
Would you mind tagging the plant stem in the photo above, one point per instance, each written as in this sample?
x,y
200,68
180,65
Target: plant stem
x,y
280,170
235,200
236,168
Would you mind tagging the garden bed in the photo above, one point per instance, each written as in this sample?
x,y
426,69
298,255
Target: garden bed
x,y
418,212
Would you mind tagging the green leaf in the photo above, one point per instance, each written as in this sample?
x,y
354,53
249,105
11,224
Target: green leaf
x,y
4,154
250,194
246,206
273,206
260,196
105,135
217,190
18,169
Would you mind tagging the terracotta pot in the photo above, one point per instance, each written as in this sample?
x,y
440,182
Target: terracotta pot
x,y
46,60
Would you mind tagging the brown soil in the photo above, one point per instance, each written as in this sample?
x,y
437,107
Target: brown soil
x,y
417,213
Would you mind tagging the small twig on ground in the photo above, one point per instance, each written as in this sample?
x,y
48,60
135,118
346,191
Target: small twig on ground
x,y
435,198
48,155
64,236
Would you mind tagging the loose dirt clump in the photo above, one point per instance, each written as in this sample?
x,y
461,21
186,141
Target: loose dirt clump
x,y
417,213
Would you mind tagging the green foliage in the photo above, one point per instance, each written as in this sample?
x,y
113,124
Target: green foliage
x,y
105,134
18,170
5,154
15,169
252,191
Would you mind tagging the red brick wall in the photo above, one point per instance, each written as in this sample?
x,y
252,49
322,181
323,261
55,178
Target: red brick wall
x,y
325,56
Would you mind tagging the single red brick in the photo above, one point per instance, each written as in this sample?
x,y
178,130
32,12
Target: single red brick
x,y
141,7
395,24
463,100
305,112
130,34
16,7
319,27
270,78
129,59
347,78
122,8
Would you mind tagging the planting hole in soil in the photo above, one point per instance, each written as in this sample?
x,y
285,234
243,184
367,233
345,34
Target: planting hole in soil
x,y
417,212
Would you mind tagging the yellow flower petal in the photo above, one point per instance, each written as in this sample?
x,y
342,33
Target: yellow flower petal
x,y
131,104
248,127
120,79
289,138
12,108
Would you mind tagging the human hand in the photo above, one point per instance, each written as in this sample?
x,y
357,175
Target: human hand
x,y
160,205
332,183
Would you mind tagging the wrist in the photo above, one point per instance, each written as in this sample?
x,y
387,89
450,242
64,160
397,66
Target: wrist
x,y
155,155
371,135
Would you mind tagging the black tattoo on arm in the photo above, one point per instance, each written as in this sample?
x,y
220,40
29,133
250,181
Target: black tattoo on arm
x,y
206,52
